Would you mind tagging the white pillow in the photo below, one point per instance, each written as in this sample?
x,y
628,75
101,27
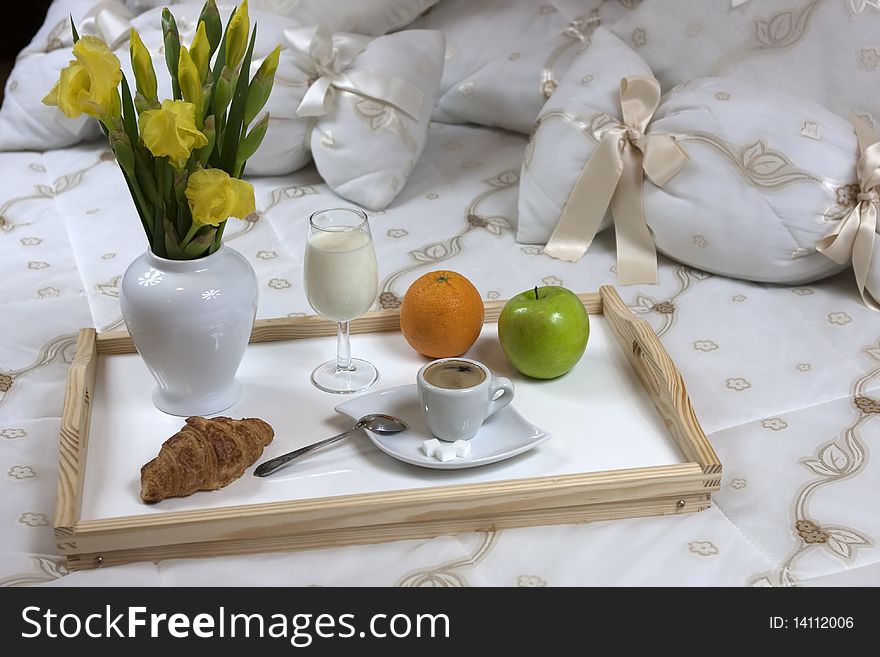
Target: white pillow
x,y
568,129
27,124
828,52
363,147
768,177
372,17
505,57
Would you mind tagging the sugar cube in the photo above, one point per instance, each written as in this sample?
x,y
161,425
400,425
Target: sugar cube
x,y
462,447
445,452
429,447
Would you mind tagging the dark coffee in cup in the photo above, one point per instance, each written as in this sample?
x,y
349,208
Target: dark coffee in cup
x,y
455,374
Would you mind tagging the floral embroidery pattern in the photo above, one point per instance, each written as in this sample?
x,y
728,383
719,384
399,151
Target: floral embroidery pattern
x,y
845,195
11,434
389,300
839,318
703,548
869,57
738,484
722,95
774,423
810,532
810,130
279,283
665,307
267,255
21,472
551,280
531,581
33,519
639,37
48,292
801,291
700,241
397,232
739,298
207,295
739,384
30,241
804,367
493,294
867,405
705,345
6,386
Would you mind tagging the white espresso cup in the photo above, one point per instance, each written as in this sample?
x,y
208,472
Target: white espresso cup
x,y
458,394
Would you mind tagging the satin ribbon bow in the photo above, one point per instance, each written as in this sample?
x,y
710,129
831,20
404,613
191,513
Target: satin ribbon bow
x,y
853,236
614,175
324,57
110,21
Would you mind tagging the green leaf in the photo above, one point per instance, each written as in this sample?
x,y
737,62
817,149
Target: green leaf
x,y
213,25
202,242
226,85
171,37
174,251
73,29
261,86
129,117
220,62
236,112
210,132
124,154
250,144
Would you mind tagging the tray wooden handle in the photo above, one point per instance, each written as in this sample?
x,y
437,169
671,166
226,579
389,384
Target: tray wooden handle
x,y
662,380
73,440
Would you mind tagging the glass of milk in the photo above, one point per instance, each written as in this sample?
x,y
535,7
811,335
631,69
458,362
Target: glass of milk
x,y
341,281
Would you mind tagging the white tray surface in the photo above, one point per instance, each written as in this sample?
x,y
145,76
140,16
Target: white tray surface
x,y
599,417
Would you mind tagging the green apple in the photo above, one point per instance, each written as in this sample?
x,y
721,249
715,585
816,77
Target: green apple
x,y
544,331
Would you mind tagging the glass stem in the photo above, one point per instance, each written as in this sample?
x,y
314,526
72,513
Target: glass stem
x,y
343,348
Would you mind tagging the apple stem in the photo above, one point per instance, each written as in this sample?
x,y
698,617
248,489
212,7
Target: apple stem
x,y
536,293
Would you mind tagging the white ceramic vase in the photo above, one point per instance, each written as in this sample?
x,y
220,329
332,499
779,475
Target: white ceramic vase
x,y
191,321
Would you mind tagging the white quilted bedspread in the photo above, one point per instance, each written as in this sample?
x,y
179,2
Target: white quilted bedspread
x,y
786,382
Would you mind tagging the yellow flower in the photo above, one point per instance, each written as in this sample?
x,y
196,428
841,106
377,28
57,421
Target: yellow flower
x,y
171,131
214,196
188,77
88,83
142,63
237,35
200,50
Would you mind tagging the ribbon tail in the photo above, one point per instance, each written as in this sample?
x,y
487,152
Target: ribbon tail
x,y
862,251
838,243
588,202
318,98
110,21
636,254
663,158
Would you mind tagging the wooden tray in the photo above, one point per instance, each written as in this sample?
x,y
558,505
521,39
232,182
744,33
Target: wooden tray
x,y
100,521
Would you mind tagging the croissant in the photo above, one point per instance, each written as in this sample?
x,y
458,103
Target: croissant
x,y
204,455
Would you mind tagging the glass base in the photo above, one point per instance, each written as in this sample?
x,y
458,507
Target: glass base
x,y
329,378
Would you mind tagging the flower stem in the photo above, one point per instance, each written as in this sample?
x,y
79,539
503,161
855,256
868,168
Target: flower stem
x,y
191,233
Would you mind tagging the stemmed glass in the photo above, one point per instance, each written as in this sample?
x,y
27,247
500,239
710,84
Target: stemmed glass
x,y
341,281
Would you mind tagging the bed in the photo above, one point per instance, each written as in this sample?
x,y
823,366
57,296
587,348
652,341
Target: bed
x,y
785,381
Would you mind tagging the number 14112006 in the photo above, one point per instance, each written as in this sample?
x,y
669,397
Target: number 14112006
x,y
822,622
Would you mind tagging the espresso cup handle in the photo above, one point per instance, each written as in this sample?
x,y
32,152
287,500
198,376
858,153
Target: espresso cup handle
x,y
505,385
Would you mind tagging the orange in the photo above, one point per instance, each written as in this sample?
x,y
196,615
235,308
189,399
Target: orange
x,y
441,315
